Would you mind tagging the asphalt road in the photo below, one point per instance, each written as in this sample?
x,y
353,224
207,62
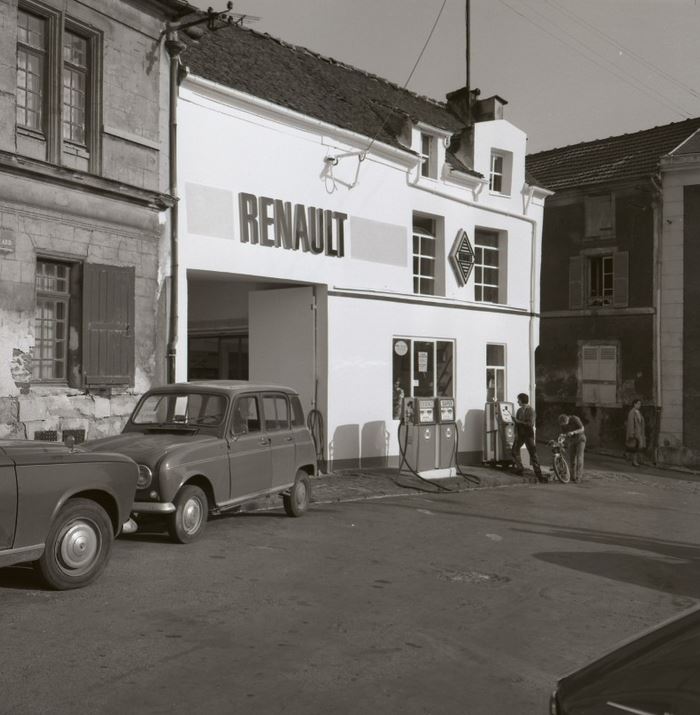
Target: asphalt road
x,y
464,603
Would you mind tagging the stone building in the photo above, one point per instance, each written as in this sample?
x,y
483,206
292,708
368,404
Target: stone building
x,y
619,262
83,199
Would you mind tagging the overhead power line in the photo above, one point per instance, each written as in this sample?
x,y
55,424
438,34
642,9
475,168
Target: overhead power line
x,y
631,80
410,76
631,53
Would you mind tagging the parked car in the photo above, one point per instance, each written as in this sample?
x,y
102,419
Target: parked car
x,y
61,508
655,673
206,447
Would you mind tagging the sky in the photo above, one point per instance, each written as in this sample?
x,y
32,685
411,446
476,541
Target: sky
x,y
571,70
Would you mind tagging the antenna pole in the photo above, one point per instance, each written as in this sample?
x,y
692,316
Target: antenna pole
x,y
467,31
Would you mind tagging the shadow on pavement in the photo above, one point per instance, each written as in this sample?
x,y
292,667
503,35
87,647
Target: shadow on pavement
x,y
673,577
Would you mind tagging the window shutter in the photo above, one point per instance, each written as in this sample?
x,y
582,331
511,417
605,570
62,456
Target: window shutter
x,y
576,282
108,325
590,367
620,279
608,363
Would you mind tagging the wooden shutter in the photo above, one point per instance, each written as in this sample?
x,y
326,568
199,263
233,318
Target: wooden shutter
x,y
108,325
621,279
575,282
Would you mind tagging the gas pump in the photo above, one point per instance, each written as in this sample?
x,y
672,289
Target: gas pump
x,y
446,452
419,433
499,433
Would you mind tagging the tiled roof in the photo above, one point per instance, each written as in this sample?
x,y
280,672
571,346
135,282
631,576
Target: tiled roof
x,y
623,157
316,86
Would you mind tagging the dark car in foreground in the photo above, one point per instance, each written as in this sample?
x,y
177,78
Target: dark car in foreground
x,y
61,508
656,673
208,447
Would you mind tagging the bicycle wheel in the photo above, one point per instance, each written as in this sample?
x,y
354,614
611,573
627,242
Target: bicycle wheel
x,y
561,469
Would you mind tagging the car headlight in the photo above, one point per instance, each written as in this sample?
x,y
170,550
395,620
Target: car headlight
x,y
145,477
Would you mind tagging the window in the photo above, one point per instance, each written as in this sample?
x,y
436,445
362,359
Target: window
x,y
487,269
424,256
94,304
599,374
500,172
246,415
600,216
75,87
58,94
52,283
496,174
599,279
421,368
428,150
31,71
202,409
276,411
495,373
217,357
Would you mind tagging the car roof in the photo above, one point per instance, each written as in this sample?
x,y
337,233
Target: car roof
x,y
224,386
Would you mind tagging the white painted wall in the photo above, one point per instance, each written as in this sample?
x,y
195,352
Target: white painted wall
x,y
676,174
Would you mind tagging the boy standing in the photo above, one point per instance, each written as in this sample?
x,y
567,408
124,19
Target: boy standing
x,y
525,435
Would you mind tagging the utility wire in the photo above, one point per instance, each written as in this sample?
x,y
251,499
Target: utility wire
x,y
636,84
415,66
649,65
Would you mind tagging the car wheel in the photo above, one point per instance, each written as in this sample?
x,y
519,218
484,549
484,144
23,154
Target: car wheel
x,y
297,501
78,545
190,517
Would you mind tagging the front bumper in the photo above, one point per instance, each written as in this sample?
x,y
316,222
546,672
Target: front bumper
x,y
146,507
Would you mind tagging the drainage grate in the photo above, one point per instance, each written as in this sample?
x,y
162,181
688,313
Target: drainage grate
x,y
77,434
48,435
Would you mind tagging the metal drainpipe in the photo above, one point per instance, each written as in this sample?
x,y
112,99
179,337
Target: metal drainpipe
x,y
658,204
174,47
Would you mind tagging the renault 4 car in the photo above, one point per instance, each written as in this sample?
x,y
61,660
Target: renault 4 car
x,y
207,447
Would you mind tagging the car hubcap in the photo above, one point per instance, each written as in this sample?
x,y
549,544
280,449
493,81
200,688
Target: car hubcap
x,y
192,514
79,546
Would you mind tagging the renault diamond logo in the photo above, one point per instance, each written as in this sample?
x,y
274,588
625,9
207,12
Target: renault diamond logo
x,y
462,257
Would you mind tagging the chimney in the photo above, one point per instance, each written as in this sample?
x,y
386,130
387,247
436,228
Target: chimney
x,y
488,109
461,103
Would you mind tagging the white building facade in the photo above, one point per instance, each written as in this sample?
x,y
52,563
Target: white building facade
x,y
311,255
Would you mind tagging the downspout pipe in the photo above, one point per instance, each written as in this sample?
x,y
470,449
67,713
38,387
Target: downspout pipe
x,y
174,47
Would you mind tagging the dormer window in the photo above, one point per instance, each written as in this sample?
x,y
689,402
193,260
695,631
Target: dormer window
x,y
428,150
500,172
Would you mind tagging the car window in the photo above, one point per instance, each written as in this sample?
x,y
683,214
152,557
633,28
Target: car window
x,y
190,409
276,409
297,411
246,415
